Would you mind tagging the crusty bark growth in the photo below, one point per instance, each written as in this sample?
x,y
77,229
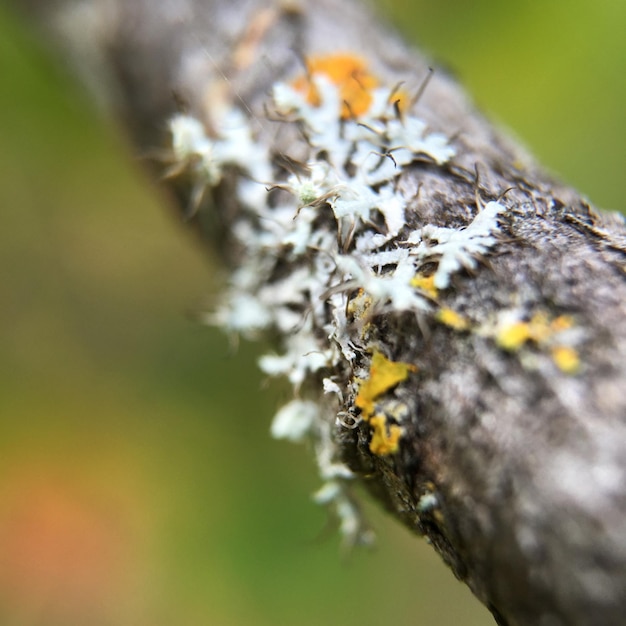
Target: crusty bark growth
x,y
469,324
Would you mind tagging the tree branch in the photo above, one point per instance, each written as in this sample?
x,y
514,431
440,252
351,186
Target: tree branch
x,y
463,312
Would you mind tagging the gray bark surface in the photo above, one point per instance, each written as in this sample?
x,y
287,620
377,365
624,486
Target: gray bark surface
x,y
526,463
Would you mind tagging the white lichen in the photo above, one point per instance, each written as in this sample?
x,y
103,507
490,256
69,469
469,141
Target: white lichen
x,y
302,357
457,248
339,228
427,503
233,146
295,420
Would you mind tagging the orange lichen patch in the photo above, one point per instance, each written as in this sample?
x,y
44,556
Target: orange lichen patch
x,y
384,375
349,73
425,284
452,319
566,359
385,440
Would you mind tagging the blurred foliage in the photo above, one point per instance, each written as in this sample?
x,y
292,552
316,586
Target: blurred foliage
x,y
138,484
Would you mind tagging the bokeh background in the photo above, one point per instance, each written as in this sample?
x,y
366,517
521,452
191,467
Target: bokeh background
x,y
138,484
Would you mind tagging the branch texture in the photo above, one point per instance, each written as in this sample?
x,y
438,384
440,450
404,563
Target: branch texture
x,y
451,319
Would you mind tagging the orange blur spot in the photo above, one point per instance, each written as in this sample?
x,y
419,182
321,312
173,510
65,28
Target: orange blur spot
x,y
64,553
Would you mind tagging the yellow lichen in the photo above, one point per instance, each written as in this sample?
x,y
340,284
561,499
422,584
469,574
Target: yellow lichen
x,y
544,333
566,359
452,319
425,284
384,375
385,440
540,328
359,305
513,336
562,322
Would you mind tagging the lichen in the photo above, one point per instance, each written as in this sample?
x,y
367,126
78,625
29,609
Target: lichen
x,y
383,376
349,73
332,249
425,284
566,358
558,336
385,438
454,248
451,318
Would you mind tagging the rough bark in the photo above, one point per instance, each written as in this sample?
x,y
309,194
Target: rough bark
x,y
513,468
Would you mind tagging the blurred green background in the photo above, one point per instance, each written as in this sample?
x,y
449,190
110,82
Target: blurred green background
x,y
138,484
